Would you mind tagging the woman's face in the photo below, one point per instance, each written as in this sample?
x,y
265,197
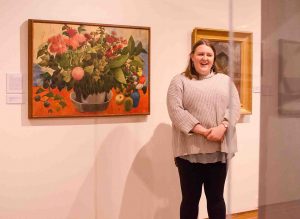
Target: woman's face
x,y
203,59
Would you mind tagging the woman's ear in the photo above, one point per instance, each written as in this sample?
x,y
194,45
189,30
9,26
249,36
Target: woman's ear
x,y
192,57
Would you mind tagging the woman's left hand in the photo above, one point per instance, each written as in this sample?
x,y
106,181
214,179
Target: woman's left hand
x,y
217,133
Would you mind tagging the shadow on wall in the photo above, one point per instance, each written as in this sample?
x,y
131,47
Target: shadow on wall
x,y
152,187
125,184
83,205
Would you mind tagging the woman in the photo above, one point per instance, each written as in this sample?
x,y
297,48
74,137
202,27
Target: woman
x,y
204,107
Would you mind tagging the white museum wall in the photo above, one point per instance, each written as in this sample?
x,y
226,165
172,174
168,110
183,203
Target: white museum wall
x,y
114,167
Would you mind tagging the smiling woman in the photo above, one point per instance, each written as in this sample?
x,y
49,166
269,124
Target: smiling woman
x,y
204,136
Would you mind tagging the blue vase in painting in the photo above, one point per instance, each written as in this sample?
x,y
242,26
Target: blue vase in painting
x,y
136,98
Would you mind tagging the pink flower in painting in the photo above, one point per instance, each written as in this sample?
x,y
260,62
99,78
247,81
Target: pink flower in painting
x,y
76,41
57,44
114,33
110,39
80,38
72,43
71,32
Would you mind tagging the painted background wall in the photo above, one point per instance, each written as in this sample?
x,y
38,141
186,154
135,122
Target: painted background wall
x,y
114,167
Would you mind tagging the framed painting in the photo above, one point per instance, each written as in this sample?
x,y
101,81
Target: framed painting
x,y
87,69
242,60
289,78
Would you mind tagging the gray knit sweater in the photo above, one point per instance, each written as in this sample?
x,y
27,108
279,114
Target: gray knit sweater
x,y
206,101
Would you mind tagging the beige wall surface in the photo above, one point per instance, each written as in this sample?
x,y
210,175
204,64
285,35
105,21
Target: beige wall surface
x,y
114,167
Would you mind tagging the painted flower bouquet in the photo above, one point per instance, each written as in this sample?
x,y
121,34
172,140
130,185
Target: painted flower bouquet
x,y
89,64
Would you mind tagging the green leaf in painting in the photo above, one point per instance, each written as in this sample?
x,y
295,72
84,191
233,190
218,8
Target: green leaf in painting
x,y
66,76
89,69
118,61
125,51
81,29
144,51
91,49
46,76
63,60
42,50
50,94
139,59
40,90
138,49
119,75
131,45
63,104
57,97
45,58
137,63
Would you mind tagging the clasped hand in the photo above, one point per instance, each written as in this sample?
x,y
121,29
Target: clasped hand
x,y
212,134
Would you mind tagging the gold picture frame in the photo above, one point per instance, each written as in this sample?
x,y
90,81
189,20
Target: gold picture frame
x,y
242,75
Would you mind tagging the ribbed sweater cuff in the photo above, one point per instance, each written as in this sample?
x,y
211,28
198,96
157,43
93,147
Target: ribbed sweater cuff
x,y
188,125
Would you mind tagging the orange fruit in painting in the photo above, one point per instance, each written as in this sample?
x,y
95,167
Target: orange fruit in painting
x,y
77,73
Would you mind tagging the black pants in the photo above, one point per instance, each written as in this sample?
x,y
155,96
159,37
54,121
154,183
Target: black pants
x,y
192,177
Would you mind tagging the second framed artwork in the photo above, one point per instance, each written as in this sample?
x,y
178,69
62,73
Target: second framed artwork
x,y
84,69
242,60
289,78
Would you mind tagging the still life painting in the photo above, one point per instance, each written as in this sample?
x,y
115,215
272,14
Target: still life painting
x,y
83,69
